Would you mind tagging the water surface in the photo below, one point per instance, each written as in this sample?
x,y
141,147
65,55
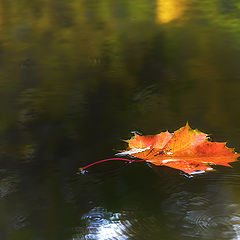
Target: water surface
x,y
76,77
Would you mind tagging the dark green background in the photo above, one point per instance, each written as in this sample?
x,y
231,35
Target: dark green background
x,y
76,77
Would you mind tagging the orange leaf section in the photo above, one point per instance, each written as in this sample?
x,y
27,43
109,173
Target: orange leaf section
x,y
186,149
185,138
156,141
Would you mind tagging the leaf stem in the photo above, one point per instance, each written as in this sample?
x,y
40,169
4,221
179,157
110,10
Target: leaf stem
x,y
109,159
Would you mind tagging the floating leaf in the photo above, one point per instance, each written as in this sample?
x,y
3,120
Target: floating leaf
x,y
186,149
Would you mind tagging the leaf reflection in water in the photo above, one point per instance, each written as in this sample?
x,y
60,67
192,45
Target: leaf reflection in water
x,y
99,224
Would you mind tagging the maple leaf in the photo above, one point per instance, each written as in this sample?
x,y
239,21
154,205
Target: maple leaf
x,y
186,149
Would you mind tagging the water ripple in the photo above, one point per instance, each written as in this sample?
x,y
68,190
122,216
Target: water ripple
x,y
101,224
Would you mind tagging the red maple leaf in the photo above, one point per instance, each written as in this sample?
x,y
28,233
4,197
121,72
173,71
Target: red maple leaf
x,y
186,149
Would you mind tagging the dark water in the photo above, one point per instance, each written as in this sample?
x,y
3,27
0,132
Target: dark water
x,y
76,77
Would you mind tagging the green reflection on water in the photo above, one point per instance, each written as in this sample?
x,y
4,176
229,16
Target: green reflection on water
x,y
77,76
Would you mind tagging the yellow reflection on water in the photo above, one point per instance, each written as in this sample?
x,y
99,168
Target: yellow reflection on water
x,y
169,10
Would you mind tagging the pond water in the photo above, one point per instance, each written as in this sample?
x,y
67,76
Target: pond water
x,y
76,77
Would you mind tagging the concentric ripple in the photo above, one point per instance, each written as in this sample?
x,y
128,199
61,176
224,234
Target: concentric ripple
x,y
100,224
